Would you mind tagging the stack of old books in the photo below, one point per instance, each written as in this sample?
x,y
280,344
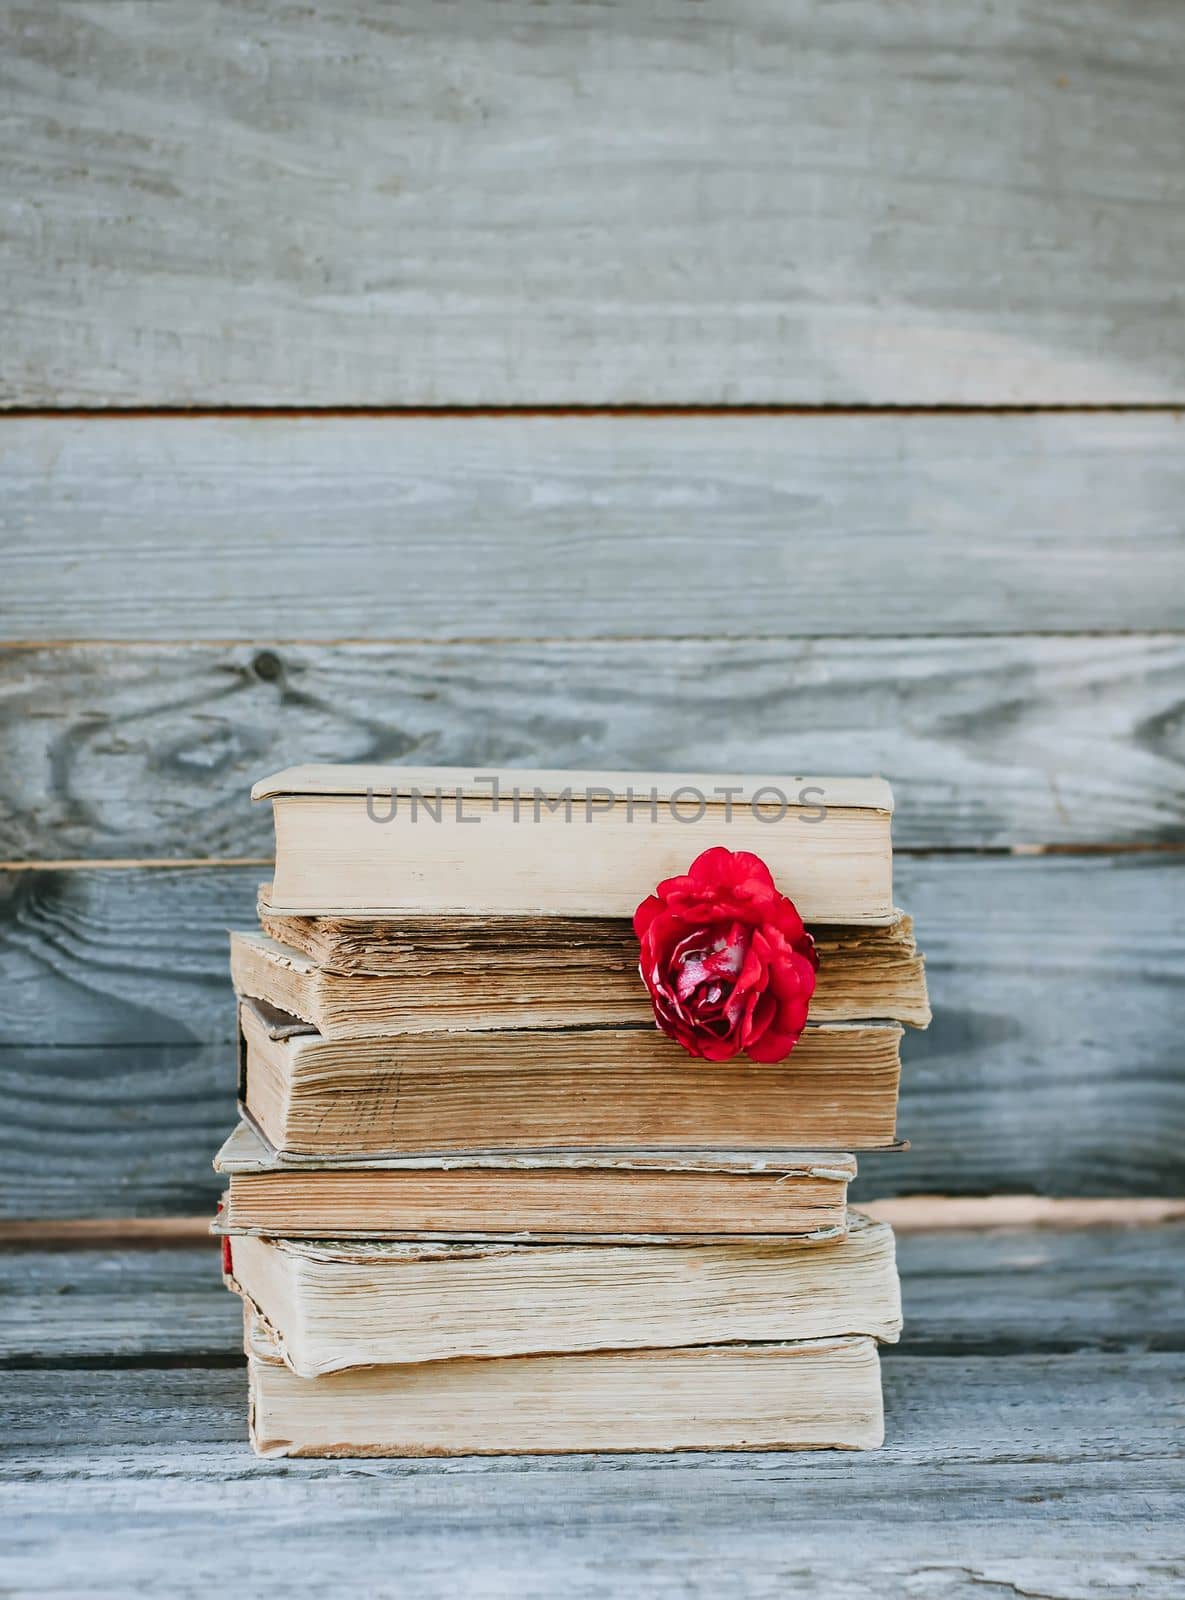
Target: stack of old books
x,y
478,1201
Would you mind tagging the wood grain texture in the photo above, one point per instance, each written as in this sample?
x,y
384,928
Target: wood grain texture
x,y
913,1213
1051,1067
149,751
919,1213
1021,1289
131,1413
965,1293
115,1131
1052,1475
417,204
590,526
122,1305
1054,1469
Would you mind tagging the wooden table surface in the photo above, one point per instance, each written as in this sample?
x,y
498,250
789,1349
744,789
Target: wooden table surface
x,y
1034,1446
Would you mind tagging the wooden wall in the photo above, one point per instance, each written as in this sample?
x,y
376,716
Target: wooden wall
x,y
780,386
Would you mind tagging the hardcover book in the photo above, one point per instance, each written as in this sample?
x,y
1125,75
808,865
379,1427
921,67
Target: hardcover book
x,y
590,1195
355,976
338,1304
816,1394
561,1089
436,840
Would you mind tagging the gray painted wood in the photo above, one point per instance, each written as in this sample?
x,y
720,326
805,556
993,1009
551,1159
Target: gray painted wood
x,y
150,751
1029,1290
417,204
1058,1475
964,1293
1032,1474
946,1410
735,527
301,1534
1052,1065
108,956
131,1131
99,957
110,1306
120,1130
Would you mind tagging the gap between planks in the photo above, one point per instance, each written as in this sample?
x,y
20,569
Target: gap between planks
x,y
626,408
198,863
907,1214
492,641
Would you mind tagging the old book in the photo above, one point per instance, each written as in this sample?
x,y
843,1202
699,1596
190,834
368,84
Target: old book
x,y
594,1195
351,977
561,1089
817,1394
393,840
339,1304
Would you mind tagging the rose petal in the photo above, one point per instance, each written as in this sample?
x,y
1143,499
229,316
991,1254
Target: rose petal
x,y
646,913
772,1046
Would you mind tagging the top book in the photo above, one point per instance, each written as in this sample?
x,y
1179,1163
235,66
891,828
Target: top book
x,y
429,841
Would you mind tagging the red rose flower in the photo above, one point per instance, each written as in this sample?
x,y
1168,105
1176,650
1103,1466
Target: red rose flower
x,y
726,959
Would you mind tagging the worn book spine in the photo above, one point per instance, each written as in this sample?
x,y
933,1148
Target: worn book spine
x,y
440,842
529,1204
564,1089
334,1306
822,1394
426,982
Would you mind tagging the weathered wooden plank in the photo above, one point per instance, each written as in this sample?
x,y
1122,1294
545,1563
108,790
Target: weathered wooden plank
x,y
1028,1290
133,956
1052,1065
1055,1531
910,1213
115,1131
126,752
947,1410
590,526
1022,1475
422,205
112,1306
915,1213
964,1293
121,956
